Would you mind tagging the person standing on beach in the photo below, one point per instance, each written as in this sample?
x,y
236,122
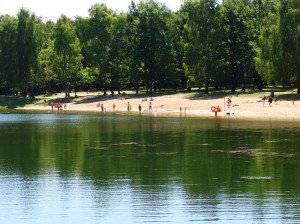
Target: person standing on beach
x,y
128,106
140,108
263,100
229,101
150,106
270,101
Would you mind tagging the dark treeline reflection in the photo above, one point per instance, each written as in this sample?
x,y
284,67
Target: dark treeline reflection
x,y
203,156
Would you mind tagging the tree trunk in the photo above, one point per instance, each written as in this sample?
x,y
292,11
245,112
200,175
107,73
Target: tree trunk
x,y
104,91
206,84
136,90
67,92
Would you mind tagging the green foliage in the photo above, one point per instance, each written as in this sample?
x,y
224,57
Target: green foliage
x,y
118,60
27,51
132,33
289,13
8,54
47,55
68,55
200,41
278,55
95,35
156,56
268,60
204,44
238,41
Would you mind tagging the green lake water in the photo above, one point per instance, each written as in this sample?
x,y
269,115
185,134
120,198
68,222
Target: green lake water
x,y
110,168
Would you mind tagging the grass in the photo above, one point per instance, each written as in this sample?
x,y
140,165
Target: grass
x,y
7,102
283,94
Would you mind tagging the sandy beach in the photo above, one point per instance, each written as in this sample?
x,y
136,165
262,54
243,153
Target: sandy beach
x,y
172,105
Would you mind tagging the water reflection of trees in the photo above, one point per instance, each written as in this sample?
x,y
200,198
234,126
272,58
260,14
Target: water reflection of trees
x,y
203,157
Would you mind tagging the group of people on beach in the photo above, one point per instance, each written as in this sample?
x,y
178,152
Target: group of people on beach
x,y
269,99
102,108
229,104
129,107
58,105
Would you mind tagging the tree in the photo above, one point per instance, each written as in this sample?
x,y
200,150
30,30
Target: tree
x,y
8,55
46,65
177,26
132,47
175,76
155,51
268,60
263,9
68,51
94,33
289,13
278,53
26,51
118,57
199,41
238,37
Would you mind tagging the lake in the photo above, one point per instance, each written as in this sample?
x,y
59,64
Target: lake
x,y
123,168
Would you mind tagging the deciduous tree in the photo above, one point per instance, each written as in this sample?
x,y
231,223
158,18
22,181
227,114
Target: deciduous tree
x,y
67,48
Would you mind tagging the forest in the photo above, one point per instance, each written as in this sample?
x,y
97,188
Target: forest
x,y
204,45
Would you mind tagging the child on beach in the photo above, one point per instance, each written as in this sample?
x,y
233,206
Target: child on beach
x,y
229,101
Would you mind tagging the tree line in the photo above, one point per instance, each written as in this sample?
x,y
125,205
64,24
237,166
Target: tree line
x,y
204,44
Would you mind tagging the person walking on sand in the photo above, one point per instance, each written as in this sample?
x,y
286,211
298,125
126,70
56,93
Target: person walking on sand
x,y
263,100
270,101
140,108
114,107
150,106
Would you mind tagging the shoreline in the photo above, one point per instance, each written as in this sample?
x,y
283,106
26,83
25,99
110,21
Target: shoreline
x,y
242,107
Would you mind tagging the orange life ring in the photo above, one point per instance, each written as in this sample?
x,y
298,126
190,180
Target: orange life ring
x,y
215,109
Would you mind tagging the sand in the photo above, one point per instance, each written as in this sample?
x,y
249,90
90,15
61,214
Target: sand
x,y
174,105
